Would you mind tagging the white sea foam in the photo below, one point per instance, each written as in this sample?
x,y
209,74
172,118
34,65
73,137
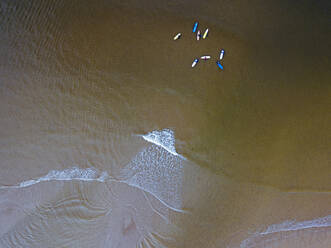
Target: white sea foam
x,y
158,169
284,227
74,173
294,226
157,172
164,138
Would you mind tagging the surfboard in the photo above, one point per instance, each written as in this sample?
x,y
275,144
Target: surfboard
x,y
177,36
195,26
219,64
205,57
198,35
205,34
195,62
222,52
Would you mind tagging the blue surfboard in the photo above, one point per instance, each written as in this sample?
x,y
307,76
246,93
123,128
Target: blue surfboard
x,y
219,64
195,27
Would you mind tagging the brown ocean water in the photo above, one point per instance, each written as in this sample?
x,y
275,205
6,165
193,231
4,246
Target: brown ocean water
x,y
82,81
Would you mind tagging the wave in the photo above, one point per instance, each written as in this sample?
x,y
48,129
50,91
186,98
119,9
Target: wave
x,y
285,230
92,174
157,170
164,138
294,226
74,173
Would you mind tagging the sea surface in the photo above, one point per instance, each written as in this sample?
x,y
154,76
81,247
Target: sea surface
x,y
109,138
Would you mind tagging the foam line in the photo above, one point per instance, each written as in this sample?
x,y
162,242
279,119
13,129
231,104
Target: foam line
x,y
163,202
287,226
294,226
74,173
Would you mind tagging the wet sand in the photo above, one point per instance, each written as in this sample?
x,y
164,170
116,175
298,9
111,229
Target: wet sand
x,y
81,80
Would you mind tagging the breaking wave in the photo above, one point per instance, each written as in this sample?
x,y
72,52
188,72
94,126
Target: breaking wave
x,y
74,173
164,138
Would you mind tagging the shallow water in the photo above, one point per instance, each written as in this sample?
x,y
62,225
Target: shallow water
x,y
108,137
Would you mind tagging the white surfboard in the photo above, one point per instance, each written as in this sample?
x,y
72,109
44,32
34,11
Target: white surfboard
x,y
222,54
177,36
205,57
198,35
195,62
